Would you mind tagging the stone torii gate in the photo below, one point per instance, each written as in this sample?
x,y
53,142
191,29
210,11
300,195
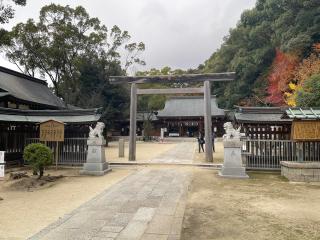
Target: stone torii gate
x,y
186,78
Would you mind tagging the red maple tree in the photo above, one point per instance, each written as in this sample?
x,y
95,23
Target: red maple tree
x,y
281,73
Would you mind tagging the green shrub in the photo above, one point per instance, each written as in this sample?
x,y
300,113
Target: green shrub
x,y
38,156
309,94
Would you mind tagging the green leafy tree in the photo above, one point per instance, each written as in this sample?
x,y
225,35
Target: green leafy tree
x,y
95,91
61,40
309,94
78,54
7,13
38,156
249,49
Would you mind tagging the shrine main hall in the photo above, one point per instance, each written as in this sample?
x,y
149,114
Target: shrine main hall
x,y
182,116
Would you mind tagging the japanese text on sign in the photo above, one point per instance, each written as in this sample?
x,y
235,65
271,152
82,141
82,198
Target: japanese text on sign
x,y
52,131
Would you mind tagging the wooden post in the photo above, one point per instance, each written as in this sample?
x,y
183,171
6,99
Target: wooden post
x,y
207,121
133,123
57,154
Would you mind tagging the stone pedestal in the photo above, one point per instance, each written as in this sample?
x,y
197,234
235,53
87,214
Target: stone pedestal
x,y
96,161
232,165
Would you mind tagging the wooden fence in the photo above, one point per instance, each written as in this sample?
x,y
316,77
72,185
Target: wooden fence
x,y
267,154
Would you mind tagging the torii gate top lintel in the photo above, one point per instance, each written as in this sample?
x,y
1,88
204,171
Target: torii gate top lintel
x,y
184,78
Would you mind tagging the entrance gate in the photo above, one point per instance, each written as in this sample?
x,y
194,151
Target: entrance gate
x,y
187,78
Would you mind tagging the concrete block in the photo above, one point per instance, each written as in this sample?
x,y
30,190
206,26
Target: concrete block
x,y
144,214
160,224
113,229
134,230
121,147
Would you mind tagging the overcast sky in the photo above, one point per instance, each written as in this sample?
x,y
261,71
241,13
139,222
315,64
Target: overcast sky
x,y
177,33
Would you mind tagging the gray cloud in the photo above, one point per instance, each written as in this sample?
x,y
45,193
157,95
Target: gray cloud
x,y
177,33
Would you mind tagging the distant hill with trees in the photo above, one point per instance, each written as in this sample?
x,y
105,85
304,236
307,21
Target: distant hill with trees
x,y
274,50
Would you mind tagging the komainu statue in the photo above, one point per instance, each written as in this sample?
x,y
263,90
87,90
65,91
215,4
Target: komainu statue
x,y
231,133
97,131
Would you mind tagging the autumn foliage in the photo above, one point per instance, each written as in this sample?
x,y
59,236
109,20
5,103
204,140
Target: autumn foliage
x,y
281,74
307,68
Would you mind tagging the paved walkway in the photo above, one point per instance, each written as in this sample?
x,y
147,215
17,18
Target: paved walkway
x,y
148,204
181,153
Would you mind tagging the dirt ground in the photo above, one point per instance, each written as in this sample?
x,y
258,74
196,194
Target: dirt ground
x,y
145,151
24,212
217,155
266,206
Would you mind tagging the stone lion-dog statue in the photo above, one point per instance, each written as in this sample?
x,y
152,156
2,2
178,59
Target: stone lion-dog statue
x,y
97,131
231,133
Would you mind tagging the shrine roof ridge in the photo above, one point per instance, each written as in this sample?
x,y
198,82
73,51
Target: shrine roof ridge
x,y
22,75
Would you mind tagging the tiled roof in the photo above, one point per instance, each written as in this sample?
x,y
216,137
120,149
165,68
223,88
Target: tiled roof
x,y
188,106
27,88
260,115
38,116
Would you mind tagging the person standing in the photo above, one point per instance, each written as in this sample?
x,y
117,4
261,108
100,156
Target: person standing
x,y
213,137
201,142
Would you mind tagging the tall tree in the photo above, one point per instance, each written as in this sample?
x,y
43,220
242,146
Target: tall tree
x,y
61,40
95,91
7,13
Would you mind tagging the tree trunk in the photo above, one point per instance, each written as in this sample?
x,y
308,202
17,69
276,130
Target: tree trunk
x,y
41,169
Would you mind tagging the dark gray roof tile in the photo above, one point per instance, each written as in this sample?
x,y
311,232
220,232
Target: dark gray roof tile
x,y
28,88
188,106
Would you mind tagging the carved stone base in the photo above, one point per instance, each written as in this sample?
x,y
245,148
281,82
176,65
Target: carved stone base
x,y
232,165
96,161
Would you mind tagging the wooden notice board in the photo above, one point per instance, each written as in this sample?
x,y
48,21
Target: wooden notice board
x,y
305,130
52,131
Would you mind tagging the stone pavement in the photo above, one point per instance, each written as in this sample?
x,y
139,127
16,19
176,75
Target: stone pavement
x,y
148,204
182,153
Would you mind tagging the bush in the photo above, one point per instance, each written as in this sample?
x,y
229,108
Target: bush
x,y
38,156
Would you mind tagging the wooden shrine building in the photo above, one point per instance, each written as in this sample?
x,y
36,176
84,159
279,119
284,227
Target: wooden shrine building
x,y
183,116
26,101
262,122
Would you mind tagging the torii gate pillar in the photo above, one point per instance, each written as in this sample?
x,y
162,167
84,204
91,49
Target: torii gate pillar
x,y
207,122
133,123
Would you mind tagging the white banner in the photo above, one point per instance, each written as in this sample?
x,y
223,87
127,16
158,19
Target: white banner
x,y
1,164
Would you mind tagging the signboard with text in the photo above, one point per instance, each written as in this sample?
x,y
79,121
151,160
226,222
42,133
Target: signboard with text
x,y
2,164
52,131
306,130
